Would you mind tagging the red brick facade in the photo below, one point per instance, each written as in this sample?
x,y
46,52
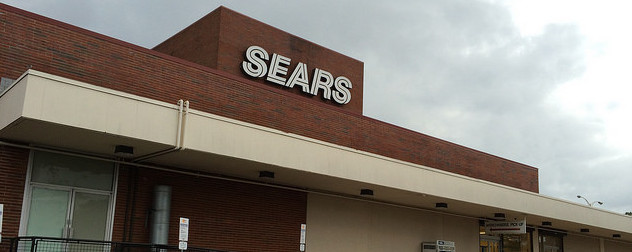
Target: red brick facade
x,y
220,39
228,215
13,167
225,215
28,40
266,217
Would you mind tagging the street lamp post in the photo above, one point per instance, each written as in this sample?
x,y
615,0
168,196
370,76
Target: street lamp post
x,y
588,202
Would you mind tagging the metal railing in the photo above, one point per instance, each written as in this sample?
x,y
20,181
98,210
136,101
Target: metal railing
x,y
46,244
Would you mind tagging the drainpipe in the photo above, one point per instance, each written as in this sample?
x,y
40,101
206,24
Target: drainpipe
x,y
183,124
160,217
183,111
161,209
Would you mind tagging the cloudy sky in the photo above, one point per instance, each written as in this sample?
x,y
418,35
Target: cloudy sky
x,y
542,82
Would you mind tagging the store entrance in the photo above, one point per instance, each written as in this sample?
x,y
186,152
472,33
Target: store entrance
x,y
67,213
551,242
69,197
489,243
493,242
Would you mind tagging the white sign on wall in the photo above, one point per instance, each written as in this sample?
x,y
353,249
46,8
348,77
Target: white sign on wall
x,y
182,245
446,246
183,236
255,65
506,227
302,241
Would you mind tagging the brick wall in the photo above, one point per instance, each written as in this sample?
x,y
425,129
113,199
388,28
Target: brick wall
x,y
223,215
220,39
28,40
13,167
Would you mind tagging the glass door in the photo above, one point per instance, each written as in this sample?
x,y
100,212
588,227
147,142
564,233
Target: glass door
x,y
48,213
68,213
89,216
489,243
69,197
551,242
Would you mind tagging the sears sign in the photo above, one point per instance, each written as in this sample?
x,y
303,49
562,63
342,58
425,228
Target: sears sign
x,y
259,64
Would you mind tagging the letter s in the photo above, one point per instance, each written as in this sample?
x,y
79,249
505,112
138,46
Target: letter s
x,y
341,94
254,65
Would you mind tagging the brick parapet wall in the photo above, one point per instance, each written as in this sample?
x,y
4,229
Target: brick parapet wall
x,y
31,41
220,39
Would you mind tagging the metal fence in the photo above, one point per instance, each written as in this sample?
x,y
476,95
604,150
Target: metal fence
x,y
45,244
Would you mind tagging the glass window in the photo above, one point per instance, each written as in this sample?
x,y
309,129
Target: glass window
x,y
56,169
488,242
90,216
5,83
70,197
504,242
551,242
517,242
49,209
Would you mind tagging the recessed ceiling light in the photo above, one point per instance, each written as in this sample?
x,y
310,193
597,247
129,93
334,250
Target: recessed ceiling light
x,y
366,192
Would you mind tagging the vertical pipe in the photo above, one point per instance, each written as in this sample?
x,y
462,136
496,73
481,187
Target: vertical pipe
x,y
183,124
134,189
180,114
128,200
160,217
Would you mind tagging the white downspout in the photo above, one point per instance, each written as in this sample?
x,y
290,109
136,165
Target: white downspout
x,y
183,124
179,131
183,110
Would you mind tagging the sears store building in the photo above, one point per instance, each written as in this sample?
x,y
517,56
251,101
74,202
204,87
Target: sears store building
x,y
233,135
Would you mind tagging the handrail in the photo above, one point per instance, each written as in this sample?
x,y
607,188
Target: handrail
x,y
41,244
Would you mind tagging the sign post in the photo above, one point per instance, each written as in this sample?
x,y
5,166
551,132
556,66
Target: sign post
x,y
303,231
183,236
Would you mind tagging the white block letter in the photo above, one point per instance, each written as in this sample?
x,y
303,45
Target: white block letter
x,y
254,65
276,68
322,80
341,92
299,77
